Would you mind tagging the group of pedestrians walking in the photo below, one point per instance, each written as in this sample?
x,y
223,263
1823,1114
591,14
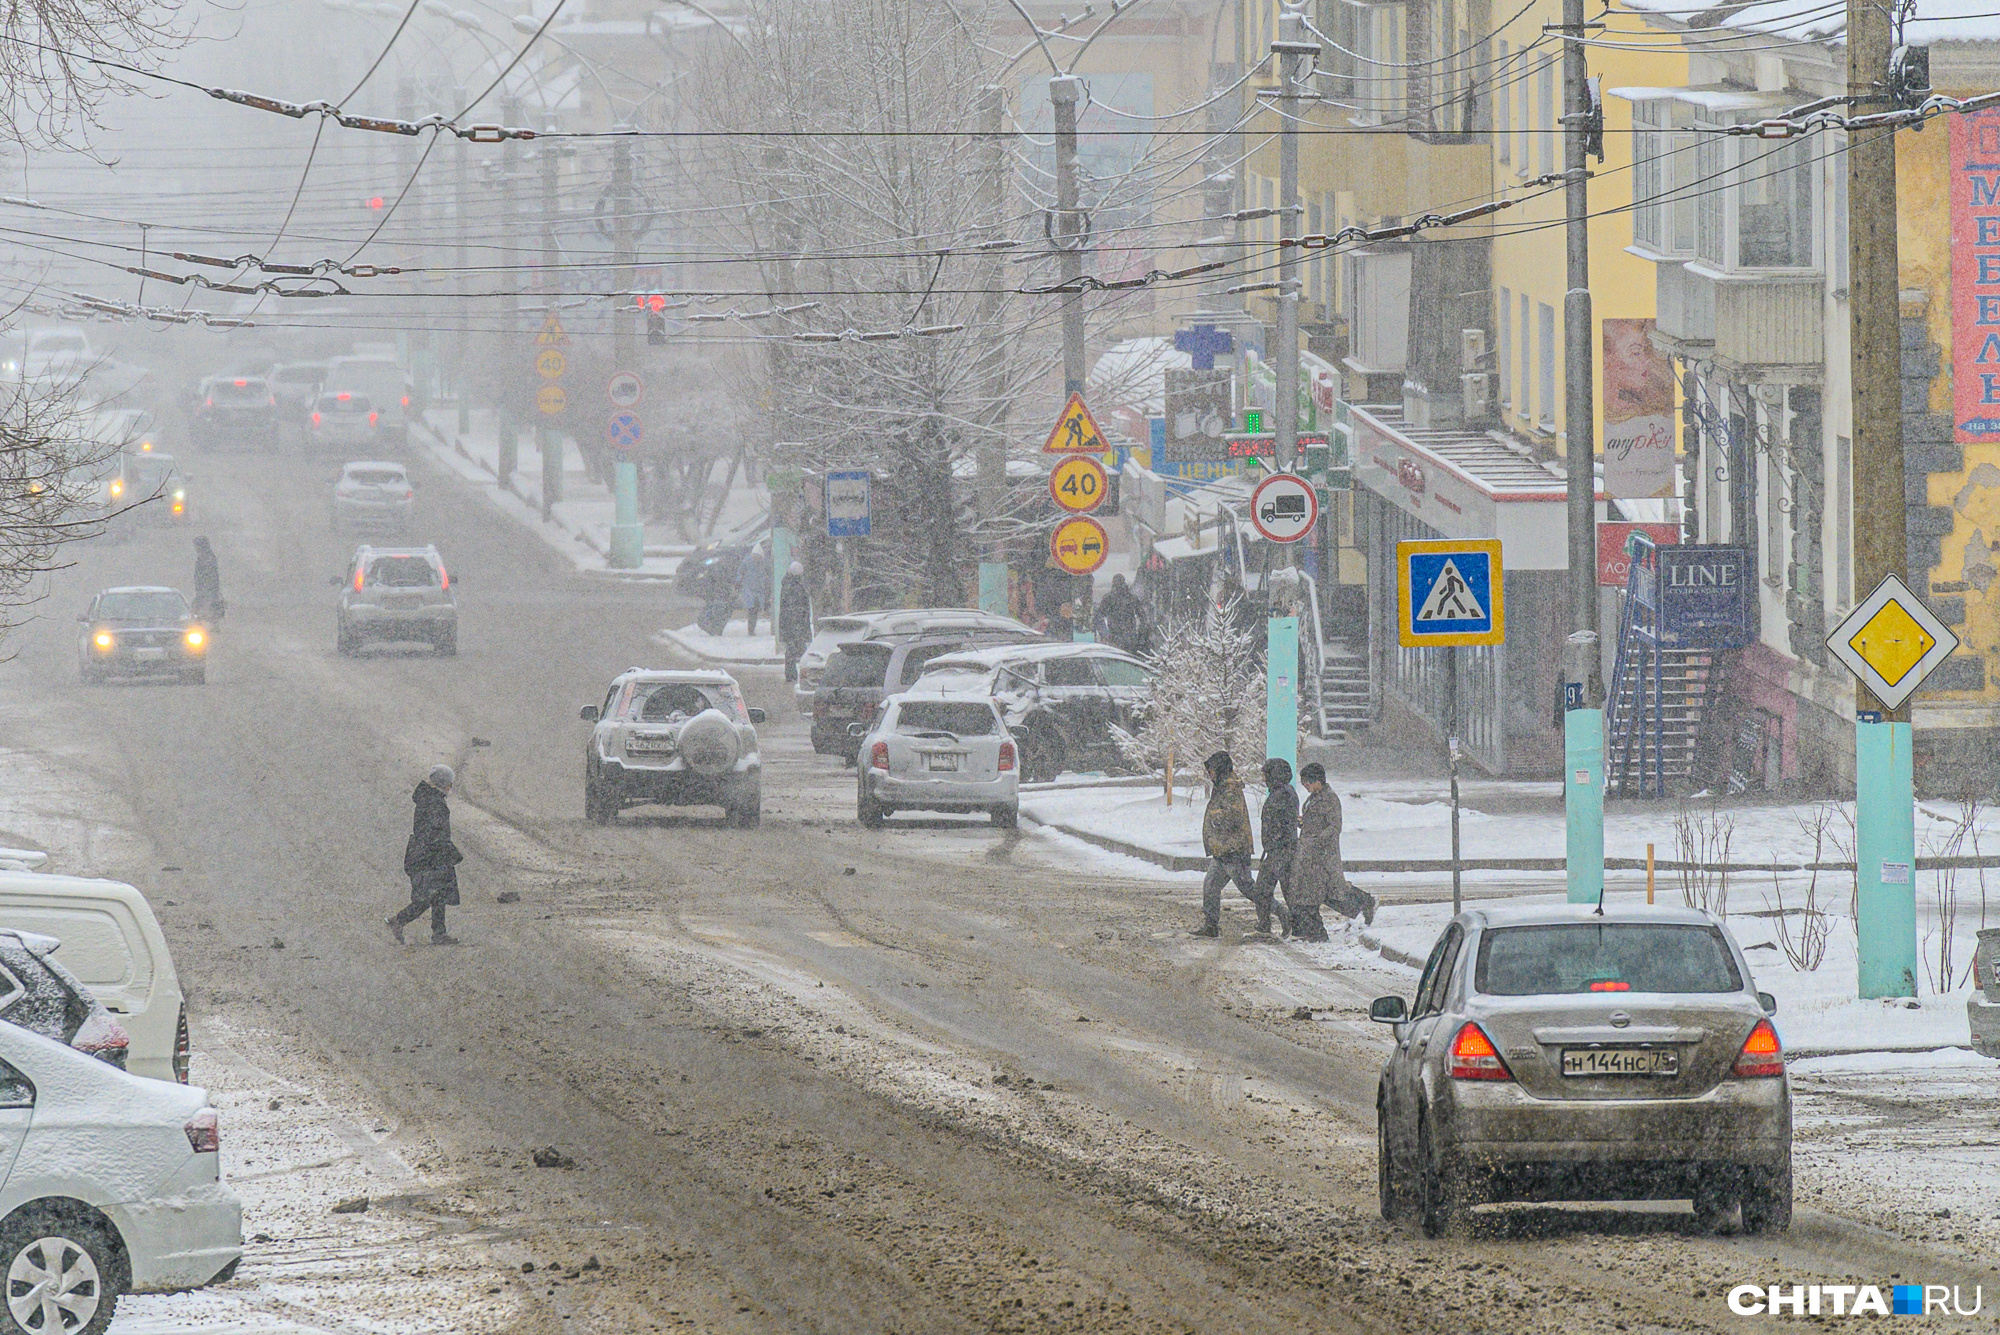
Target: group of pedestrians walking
x,y
1301,851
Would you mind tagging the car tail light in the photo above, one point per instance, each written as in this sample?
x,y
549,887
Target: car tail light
x,y
409,495
444,579
1608,985
1473,1056
343,397
878,755
204,1132
103,1037
208,402
181,1046
242,384
1006,757
372,415
315,419
357,578
1762,1053
406,400
274,400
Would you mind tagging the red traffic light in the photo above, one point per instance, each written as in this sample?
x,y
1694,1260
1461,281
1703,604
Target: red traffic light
x,y
654,302
375,201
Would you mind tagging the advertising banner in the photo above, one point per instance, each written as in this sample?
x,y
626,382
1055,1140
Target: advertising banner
x,y
1638,413
1975,276
1614,563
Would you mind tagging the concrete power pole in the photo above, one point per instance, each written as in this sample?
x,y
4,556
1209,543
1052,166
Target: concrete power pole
x,y
1884,794
513,361
628,535
462,371
1583,714
992,458
548,430
1293,49
1071,232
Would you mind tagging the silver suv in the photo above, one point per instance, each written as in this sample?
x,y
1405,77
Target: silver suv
x,y
673,738
396,595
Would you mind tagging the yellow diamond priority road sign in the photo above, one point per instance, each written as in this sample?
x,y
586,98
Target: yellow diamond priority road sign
x,y
1891,642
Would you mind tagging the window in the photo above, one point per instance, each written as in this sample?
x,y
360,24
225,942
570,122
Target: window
x,y
1566,958
1069,672
402,572
1774,206
165,606
1381,309
1545,125
1546,401
1663,180
16,1090
1437,977
1503,109
1711,156
1503,362
1774,513
960,720
1525,403
913,662
858,665
1118,672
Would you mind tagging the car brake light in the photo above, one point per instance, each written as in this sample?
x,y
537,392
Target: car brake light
x,y
1473,1056
406,400
204,1132
878,756
444,578
357,579
1006,757
372,414
1762,1053
242,383
208,402
1608,985
343,397
409,495
102,1036
181,1046
315,419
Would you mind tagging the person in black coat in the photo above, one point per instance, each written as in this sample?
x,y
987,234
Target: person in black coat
x,y
795,617
207,583
1279,824
430,858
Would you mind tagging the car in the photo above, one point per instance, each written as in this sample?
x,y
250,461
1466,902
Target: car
x,y
830,632
236,410
295,385
864,673
380,380
110,1184
673,738
141,630
149,487
342,421
396,595
57,353
112,942
1564,1052
712,561
1061,702
373,493
1982,1008
41,995
937,753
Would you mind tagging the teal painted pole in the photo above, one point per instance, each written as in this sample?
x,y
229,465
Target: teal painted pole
x,y
1281,692
628,535
993,588
1885,857
781,556
1583,803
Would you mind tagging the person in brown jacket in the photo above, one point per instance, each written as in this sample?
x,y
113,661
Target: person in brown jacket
x,y
1225,837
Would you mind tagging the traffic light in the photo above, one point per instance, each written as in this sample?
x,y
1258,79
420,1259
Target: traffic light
x,y
374,202
655,306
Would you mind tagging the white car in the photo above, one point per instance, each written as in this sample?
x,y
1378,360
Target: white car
x,y
831,632
112,1185
937,753
676,739
373,493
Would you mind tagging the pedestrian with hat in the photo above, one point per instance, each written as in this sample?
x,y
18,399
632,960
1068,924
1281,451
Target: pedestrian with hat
x,y
430,859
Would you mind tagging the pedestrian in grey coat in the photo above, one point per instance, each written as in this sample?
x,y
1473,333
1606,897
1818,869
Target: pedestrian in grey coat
x,y
430,859
1320,876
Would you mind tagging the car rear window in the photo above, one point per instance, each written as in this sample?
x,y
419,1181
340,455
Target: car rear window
x,y
1561,958
1118,672
668,701
343,403
857,665
163,606
300,375
402,572
244,390
375,477
960,720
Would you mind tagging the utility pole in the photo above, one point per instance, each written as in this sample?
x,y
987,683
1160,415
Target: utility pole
x,y
628,535
1583,696
992,457
785,282
513,361
1070,232
462,376
1884,796
548,429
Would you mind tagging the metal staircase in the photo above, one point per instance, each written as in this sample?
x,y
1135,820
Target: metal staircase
x,y
1658,696
1345,705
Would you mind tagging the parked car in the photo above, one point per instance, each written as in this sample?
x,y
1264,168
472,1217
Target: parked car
x,y
295,385
1563,1053
236,410
673,739
864,673
383,383
1982,1008
57,353
831,632
372,494
723,561
396,595
937,753
113,945
140,631
1060,701
42,996
342,421
112,1185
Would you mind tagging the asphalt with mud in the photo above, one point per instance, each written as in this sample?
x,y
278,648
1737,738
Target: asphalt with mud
x,y
811,1077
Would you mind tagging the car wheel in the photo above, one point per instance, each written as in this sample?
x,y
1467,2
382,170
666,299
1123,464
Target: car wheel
x,y
1440,1189
749,815
598,808
1007,818
866,809
64,1272
343,642
1767,1200
1388,1185
1712,1203
447,642
195,676
1041,755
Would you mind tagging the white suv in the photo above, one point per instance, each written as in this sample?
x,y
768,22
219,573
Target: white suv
x,y
676,739
938,753
396,594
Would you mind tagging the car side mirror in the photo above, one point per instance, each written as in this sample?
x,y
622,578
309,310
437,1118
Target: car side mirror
x,y
1768,1002
756,714
336,580
588,713
1388,1010
857,730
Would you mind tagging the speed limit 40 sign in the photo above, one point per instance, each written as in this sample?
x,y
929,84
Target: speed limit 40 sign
x,y
1078,484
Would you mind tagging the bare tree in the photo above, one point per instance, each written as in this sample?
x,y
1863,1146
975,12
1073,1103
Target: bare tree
x,y
51,471
59,60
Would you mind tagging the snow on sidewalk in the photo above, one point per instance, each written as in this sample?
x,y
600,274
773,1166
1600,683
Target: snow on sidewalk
x,y
735,645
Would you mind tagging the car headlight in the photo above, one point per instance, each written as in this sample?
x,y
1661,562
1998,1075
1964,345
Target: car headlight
x,y
103,639
180,495
195,639
117,486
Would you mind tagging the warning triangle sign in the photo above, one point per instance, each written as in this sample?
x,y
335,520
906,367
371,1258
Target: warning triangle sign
x,y
552,335
1450,598
1075,431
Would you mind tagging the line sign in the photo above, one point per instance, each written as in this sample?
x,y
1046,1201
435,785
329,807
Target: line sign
x,y
1079,483
1449,592
1079,545
626,390
847,504
1892,642
1075,431
625,430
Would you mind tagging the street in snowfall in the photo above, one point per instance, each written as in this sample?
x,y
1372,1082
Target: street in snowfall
x,y
919,667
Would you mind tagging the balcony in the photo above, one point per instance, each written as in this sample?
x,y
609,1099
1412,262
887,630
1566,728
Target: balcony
x,y
1685,322
1764,326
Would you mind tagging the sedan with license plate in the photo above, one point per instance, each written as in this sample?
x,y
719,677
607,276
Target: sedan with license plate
x,y
1565,1053
141,631
937,753
673,738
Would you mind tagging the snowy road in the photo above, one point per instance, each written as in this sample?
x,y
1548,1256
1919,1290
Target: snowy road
x,y
930,1078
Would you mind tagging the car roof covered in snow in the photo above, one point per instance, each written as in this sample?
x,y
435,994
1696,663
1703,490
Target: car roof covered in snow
x,y
137,588
692,676
352,464
988,659
1543,915
915,696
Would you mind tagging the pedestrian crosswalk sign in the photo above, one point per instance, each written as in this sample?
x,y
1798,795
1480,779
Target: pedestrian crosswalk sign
x,y
1449,591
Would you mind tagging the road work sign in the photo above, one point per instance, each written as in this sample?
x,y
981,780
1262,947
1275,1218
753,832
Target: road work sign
x,y
1079,545
1079,483
1075,431
552,335
1891,642
1449,592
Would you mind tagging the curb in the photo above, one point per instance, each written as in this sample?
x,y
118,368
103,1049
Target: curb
x,y
664,636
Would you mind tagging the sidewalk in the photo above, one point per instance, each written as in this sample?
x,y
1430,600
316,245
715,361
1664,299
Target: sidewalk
x,y
579,526
734,646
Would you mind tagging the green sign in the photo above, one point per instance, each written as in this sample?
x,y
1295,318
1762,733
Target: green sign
x,y
1253,419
